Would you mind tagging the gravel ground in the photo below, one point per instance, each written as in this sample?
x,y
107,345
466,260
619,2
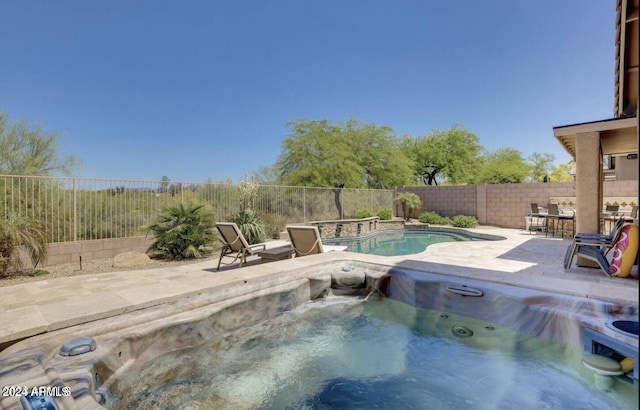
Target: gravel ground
x,y
93,266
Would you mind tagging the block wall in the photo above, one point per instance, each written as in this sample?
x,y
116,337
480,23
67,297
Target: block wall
x,y
502,205
70,252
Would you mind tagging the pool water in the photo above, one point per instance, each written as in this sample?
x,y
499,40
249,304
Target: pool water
x,y
345,354
396,243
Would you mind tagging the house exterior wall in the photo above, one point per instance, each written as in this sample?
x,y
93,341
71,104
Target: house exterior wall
x,y
626,169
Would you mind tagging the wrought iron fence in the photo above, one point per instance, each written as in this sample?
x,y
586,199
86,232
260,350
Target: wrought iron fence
x,y
76,209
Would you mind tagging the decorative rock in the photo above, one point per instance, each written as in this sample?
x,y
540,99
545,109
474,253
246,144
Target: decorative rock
x,y
130,259
346,268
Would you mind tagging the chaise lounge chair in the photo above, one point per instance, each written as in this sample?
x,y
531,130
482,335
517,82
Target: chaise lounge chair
x,y
603,242
599,254
234,243
306,241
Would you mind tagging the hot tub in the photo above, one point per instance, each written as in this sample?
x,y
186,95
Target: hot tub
x,y
142,355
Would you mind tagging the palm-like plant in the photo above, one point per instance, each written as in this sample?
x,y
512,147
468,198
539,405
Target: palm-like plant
x,y
409,201
250,225
17,232
182,232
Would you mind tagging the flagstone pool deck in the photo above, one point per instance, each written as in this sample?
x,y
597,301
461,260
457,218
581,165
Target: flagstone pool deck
x,y
522,259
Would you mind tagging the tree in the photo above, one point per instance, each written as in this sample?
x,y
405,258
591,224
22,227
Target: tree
x,y
26,150
540,166
452,154
563,172
317,154
164,185
503,166
379,154
350,154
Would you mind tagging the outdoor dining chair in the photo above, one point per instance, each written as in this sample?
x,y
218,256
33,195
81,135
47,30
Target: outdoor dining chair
x,y
538,220
556,220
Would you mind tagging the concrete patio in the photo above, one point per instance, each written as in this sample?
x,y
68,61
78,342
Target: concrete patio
x,y
523,259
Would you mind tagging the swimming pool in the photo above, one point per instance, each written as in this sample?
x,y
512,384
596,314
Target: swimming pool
x,y
405,241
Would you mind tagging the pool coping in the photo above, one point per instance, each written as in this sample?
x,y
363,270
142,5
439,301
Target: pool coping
x,y
464,233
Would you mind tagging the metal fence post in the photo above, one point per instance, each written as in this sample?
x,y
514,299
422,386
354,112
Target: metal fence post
x,y
75,209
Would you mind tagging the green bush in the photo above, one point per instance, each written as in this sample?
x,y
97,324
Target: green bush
x,y
182,232
385,214
250,225
364,213
434,218
465,221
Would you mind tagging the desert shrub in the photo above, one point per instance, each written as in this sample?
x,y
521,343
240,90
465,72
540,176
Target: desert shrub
x,y
364,213
182,232
15,233
434,218
385,214
273,224
250,225
409,202
465,221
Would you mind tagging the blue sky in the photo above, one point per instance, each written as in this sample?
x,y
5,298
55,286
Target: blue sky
x,y
200,90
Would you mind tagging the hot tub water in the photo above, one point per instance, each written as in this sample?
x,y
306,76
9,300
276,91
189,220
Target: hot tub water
x,y
342,353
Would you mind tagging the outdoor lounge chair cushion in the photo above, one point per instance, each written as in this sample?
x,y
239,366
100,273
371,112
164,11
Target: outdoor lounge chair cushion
x,y
306,240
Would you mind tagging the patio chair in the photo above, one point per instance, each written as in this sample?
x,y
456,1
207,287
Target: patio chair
x,y
234,243
609,216
618,265
553,219
633,215
537,220
556,218
604,242
306,241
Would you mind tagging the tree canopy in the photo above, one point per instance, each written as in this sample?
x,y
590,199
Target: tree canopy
x,y
351,154
357,155
26,150
562,172
452,155
540,166
503,166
